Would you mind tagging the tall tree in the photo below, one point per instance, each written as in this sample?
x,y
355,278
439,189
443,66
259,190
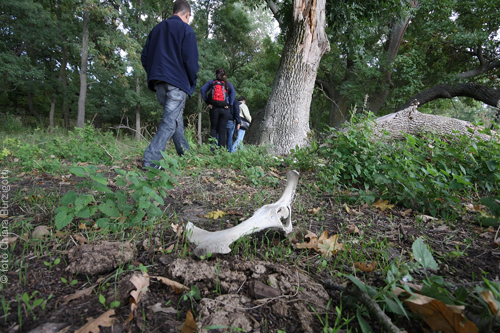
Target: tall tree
x,y
286,116
80,121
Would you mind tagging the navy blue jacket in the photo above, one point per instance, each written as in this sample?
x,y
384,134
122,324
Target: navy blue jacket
x,y
235,112
208,86
171,55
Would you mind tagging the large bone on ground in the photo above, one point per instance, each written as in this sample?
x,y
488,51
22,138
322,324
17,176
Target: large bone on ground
x,y
268,216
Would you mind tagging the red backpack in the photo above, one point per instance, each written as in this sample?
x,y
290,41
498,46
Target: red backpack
x,y
218,94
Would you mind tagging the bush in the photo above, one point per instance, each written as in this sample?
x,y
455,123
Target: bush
x,y
429,172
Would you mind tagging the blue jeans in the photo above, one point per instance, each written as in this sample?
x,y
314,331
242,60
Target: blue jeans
x,y
239,139
230,131
173,101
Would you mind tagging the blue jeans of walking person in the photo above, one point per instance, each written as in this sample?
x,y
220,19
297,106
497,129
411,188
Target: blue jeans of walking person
x,y
173,101
230,131
239,139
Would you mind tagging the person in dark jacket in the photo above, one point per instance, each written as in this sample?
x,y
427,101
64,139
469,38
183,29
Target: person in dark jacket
x,y
170,58
219,116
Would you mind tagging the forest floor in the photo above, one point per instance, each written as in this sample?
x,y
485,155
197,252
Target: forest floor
x,y
225,290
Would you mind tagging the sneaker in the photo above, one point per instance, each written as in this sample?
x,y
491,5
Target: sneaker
x,y
159,167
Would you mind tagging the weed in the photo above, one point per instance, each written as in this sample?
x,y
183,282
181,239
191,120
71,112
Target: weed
x,y
112,305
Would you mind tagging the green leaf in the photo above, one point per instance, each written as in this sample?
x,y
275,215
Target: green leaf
x,y
78,171
365,327
68,198
83,200
422,255
84,213
100,179
62,219
102,299
103,222
109,209
37,302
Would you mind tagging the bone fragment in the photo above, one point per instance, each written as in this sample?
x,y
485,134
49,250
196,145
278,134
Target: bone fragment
x,y
268,216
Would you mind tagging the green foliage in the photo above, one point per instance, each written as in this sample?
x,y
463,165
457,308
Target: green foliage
x,y
430,172
45,151
136,198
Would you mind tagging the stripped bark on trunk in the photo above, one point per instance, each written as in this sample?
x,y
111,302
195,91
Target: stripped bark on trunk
x,y
286,119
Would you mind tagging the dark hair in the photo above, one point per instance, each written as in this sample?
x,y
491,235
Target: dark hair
x,y
220,74
181,7
241,98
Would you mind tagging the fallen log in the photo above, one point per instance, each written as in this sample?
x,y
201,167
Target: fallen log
x,y
268,216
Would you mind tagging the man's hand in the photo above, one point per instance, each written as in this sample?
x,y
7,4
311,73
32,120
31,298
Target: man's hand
x,y
210,106
238,127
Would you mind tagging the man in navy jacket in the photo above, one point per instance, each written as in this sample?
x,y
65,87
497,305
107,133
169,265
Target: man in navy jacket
x,y
170,58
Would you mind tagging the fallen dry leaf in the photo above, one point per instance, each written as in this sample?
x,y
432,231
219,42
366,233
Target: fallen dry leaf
x,y
313,211
352,229
82,240
40,231
189,325
103,320
382,205
489,298
177,228
141,282
347,209
178,287
215,214
158,308
330,246
323,244
440,316
365,267
78,294
406,212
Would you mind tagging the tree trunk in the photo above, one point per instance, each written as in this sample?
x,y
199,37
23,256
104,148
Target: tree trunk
x,y
64,81
477,91
398,30
32,109
80,121
51,113
286,118
137,110
410,121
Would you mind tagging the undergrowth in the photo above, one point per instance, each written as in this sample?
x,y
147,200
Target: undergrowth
x,y
429,173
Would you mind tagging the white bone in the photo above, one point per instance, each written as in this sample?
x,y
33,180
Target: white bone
x,y
268,216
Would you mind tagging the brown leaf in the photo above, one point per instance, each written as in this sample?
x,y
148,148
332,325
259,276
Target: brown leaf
x,y
352,229
313,211
178,287
177,228
330,246
365,267
78,294
234,212
190,325
382,205
406,213
141,282
103,320
489,298
440,316
311,244
82,240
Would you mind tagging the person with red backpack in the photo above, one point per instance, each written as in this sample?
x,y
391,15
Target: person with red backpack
x,y
219,94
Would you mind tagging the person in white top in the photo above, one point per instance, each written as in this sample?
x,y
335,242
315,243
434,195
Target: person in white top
x,y
244,115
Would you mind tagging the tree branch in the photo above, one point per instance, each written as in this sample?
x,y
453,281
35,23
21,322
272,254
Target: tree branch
x,y
480,70
275,9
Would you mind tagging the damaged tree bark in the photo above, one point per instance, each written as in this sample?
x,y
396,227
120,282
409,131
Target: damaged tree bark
x,y
410,121
268,216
